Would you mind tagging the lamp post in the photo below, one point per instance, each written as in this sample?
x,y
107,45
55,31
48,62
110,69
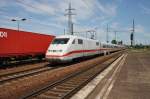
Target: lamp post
x,y
18,21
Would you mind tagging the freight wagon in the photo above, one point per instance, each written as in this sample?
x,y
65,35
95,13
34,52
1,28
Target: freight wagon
x,y
17,45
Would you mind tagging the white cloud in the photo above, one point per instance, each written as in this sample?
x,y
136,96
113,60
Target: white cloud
x,y
36,7
115,26
85,9
145,9
102,10
4,3
139,29
93,12
108,9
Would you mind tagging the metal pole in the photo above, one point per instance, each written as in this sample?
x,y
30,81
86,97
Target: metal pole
x,y
115,35
69,19
86,34
107,35
72,29
64,31
69,13
132,34
18,24
133,31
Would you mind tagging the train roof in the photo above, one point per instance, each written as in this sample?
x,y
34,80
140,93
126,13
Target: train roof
x,y
73,37
110,44
79,37
21,31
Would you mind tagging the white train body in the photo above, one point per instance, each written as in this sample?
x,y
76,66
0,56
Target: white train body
x,y
67,47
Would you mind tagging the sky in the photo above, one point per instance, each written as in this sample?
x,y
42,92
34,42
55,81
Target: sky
x,y
48,17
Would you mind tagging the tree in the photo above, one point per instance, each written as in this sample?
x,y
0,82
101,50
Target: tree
x,y
114,42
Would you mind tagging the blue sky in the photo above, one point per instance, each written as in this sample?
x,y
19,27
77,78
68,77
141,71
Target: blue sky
x,y
47,17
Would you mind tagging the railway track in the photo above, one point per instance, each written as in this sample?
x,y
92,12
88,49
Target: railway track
x,y
29,72
12,64
69,85
13,76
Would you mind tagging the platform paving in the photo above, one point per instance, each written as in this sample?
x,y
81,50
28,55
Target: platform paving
x,y
133,81
126,78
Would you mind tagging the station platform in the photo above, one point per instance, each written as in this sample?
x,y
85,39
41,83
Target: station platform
x,y
133,81
129,80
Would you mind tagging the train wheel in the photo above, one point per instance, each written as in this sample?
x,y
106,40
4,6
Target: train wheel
x,y
6,62
1,62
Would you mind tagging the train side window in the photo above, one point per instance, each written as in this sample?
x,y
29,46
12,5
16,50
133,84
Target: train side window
x,y
73,42
97,43
80,41
104,46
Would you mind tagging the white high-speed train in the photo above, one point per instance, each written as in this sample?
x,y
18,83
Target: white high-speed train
x,y
68,47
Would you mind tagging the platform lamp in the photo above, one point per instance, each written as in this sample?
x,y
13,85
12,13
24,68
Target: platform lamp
x,y
18,21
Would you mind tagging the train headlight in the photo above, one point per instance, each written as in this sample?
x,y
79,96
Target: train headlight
x,y
54,50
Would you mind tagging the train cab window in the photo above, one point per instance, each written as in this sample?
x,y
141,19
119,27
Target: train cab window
x,y
74,41
60,41
80,41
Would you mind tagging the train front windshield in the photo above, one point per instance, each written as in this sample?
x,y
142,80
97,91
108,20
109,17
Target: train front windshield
x,y
60,41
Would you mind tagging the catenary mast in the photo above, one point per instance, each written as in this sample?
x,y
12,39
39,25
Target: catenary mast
x,y
132,35
70,23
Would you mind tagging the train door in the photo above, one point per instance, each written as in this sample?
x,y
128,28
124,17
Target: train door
x,y
100,47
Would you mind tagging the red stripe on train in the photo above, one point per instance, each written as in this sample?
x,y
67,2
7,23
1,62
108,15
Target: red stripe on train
x,y
77,51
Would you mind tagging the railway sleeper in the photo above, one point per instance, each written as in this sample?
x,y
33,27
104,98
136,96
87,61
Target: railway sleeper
x,y
59,90
69,84
65,88
52,93
43,96
82,77
55,94
74,82
78,81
